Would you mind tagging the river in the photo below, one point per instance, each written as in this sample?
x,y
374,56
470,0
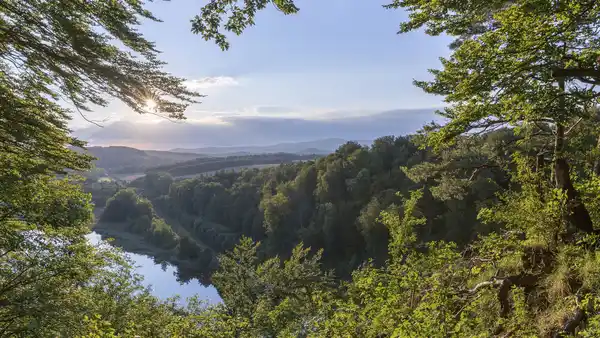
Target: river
x,y
163,282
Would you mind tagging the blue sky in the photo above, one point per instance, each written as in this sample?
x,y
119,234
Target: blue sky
x,y
335,57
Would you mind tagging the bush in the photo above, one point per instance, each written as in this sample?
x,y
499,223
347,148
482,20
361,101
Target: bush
x,y
126,205
141,225
162,235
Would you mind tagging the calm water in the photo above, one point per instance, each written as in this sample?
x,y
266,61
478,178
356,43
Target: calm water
x,y
163,282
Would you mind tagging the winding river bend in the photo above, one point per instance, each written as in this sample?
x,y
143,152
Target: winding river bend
x,y
163,282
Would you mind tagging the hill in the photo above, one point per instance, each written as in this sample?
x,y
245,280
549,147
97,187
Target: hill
x,y
321,147
123,160
202,165
120,160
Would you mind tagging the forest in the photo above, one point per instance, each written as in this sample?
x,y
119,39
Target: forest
x,y
332,203
486,225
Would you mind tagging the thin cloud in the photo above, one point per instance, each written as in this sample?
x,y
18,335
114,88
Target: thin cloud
x,y
211,82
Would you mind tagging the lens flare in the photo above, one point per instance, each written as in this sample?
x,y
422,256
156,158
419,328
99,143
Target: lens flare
x,y
151,104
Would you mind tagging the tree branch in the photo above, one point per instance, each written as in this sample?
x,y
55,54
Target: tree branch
x,y
479,169
504,286
578,73
573,126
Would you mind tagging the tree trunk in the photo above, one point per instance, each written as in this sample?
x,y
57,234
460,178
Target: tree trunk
x,y
559,142
539,163
578,215
597,162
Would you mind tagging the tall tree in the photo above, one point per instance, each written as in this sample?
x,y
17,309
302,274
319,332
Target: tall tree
x,y
523,66
59,53
54,54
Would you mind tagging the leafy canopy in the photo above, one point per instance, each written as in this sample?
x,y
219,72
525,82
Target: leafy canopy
x,y
519,63
239,17
84,51
54,54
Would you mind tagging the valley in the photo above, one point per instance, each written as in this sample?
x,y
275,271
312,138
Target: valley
x,y
330,203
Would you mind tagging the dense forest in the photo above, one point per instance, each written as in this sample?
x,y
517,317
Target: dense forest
x,y
332,203
103,182
484,226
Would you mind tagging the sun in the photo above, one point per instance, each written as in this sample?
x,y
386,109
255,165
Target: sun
x,y
151,104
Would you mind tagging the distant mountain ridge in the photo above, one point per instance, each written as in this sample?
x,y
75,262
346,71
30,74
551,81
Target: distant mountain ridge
x,y
117,159
216,163
320,147
233,131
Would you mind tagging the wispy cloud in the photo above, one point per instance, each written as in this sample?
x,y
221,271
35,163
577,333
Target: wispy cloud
x,y
211,82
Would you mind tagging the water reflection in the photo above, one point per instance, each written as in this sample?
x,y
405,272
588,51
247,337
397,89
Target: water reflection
x,y
161,278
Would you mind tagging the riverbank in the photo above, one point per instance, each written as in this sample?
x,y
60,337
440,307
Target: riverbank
x,y
186,269
162,278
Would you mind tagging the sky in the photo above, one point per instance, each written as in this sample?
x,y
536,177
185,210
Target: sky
x,y
334,59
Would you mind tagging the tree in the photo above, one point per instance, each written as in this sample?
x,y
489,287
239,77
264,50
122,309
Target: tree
x,y
49,59
157,184
527,70
239,17
76,55
275,297
513,71
55,53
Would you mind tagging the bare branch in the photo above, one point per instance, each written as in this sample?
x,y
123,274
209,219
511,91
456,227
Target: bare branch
x,y
573,126
481,285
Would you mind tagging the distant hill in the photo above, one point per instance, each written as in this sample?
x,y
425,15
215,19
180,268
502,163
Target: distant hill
x,y
116,161
320,147
208,164
122,160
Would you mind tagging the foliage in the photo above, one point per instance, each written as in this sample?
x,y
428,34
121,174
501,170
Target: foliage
x,y
274,298
51,277
132,213
80,53
526,69
126,205
314,202
157,184
239,17
102,189
95,51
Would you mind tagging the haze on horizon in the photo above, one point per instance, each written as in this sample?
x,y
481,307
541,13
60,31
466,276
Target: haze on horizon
x,y
335,70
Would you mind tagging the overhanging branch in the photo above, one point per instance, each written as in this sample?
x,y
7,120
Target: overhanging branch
x,y
583,74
